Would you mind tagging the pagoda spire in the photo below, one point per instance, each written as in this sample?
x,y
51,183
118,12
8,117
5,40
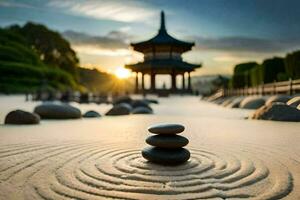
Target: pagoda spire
x,y
162,22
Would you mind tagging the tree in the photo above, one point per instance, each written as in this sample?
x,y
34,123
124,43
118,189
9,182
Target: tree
x,y
241,77
292,64
243,67
271,68
52,48
22,70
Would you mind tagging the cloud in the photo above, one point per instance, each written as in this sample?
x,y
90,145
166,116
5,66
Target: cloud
x,y
228,58
12,4
115,10
108,51
245,44
97,51
113,40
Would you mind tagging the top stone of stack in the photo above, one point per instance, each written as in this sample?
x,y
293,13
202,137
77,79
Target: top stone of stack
x,y
166,129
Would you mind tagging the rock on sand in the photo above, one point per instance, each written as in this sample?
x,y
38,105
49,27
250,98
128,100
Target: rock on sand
x,y
166,156
123,99
142,110
294,102
57,111
278,112
120,109
91,114
21,117
252,102
278,98
235,103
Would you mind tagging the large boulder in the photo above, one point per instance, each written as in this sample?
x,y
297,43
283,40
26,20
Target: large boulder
x,y
21,117
252,102
141,110
120,109
278,98
294,102
277,112
91,114
57,111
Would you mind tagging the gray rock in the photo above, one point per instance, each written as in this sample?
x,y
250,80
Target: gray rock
x,y
228,101
140,103
21,117
154,101
123,99
91,114
120,109
220,100
141,110
57,111
166,156
166,129
294,102
278,98
252,102
278,112
235,103
167,141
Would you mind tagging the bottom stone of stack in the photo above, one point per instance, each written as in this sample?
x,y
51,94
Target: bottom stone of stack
x,y
166,156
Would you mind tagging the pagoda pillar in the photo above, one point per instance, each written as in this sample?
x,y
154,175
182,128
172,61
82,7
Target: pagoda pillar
x,y
189,82
143,82
153,87
173,77
183,82
136,82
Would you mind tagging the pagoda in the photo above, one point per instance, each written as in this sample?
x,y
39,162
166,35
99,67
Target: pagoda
x,y
162,55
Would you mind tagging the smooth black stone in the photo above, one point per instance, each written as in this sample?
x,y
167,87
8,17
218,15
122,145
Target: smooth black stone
x,y
167,141
57,111
166,128
154,101
21,117
123,99
166,156
91,114
140,103
141,110
120,109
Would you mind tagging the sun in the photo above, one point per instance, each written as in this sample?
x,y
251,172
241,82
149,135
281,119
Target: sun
x,y
122,73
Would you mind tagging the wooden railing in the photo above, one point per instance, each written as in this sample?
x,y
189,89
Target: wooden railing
x,y
285,87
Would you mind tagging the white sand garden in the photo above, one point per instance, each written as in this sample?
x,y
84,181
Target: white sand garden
x,y
100,158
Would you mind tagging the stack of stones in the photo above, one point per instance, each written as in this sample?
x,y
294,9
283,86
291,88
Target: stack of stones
x,y
167,146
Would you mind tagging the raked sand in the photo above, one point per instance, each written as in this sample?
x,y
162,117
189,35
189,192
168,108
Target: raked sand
x,y
231,158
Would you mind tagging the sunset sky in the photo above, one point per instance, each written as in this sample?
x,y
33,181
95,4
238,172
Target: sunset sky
x,y
226,32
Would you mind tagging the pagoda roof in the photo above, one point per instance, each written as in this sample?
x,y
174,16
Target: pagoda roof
x,y
163,38
158,64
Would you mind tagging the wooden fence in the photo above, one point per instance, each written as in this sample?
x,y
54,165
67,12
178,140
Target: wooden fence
x,y
285,87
